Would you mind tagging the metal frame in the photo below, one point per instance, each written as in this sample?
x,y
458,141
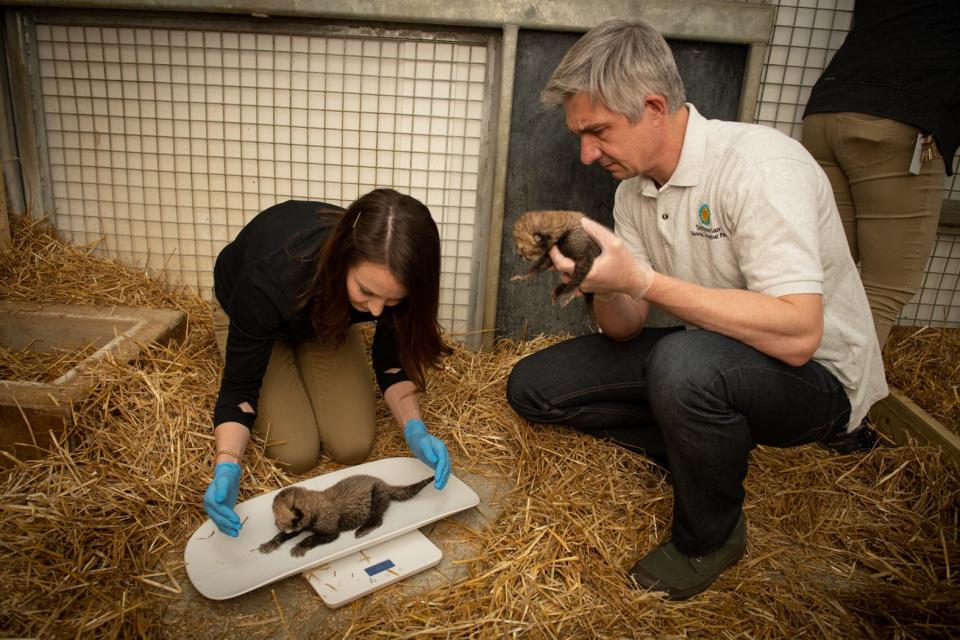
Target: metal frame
x,y
708,20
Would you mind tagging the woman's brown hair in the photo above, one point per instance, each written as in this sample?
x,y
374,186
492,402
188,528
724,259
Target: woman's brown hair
x,y
388,228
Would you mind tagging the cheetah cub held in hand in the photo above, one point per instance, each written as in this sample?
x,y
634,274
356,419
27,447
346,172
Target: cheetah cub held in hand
x,y
535,232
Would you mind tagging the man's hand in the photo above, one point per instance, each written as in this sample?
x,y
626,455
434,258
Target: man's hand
x,y
615,270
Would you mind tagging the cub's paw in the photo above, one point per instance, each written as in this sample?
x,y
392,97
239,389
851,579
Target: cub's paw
x,y
267,547
565,294
362,531
566,298
299,551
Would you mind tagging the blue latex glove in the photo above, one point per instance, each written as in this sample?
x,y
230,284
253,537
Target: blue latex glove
x,y
428,449
221,496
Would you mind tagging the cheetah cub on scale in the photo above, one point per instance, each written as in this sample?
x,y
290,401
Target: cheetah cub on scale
x,y
356,502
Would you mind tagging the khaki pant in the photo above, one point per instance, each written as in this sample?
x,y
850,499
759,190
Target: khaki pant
x,y
313,398
890,216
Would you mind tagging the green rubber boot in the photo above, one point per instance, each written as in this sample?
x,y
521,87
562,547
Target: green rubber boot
x,y
681,577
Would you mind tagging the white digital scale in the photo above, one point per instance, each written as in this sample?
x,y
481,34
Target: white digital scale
x,y
344,580
221,567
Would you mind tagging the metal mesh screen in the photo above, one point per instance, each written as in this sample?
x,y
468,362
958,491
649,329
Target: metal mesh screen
x,y
938,303
164,142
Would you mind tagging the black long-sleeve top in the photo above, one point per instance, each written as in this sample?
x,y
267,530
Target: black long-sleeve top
x,y
901,60
257,280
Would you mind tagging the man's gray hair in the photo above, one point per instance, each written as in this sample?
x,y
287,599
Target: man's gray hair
x,y
618,63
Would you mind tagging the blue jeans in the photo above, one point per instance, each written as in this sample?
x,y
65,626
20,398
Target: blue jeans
x,y
696,399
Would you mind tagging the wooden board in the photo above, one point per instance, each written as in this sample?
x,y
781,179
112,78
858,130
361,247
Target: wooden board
x,y
900,418
221,567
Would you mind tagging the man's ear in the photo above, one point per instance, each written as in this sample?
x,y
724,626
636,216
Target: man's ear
x,y
655,105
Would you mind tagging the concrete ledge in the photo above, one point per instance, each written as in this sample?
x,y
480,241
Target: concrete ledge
x,y
950,213
29,411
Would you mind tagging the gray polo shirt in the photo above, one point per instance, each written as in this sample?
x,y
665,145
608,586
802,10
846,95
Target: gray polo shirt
x,y
748,208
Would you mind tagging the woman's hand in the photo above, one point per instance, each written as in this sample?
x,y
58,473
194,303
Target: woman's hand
x,y
221,497
428,449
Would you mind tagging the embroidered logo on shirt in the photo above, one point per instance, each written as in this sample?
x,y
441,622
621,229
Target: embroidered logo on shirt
x,y
704,214
704,227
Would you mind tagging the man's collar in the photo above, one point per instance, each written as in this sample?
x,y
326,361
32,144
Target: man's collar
x,y
690,165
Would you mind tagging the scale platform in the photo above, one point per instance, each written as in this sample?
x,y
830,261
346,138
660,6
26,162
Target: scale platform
x,y
343,581
221,567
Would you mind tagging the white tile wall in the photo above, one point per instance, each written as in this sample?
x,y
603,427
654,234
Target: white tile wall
x,y
164,142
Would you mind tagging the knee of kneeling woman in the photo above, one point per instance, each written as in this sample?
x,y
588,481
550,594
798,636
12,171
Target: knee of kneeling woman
x,y
294,460
351,453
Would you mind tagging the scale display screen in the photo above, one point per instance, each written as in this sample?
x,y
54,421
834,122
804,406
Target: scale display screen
x,y
373,570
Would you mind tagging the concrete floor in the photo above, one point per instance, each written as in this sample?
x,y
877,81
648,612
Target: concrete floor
x,y
256,614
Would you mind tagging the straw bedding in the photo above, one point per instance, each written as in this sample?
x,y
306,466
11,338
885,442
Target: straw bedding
x,y
923,363
26,365
855,546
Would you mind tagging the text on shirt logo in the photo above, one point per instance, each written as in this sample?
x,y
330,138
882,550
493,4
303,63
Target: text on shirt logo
x,y
704,227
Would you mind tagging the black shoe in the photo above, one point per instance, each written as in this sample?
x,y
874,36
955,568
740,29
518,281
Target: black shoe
x,y
860,440
681,576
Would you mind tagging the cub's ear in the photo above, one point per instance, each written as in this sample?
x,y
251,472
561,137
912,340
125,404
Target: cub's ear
x,y
297,515
540,239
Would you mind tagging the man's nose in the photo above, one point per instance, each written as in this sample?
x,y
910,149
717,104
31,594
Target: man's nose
x,y
589,152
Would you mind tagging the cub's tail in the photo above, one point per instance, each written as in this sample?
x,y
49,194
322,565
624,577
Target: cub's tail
x,y
405,492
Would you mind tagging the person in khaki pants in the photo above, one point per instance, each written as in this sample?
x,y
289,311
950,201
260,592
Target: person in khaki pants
x,y
290,292
883,121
